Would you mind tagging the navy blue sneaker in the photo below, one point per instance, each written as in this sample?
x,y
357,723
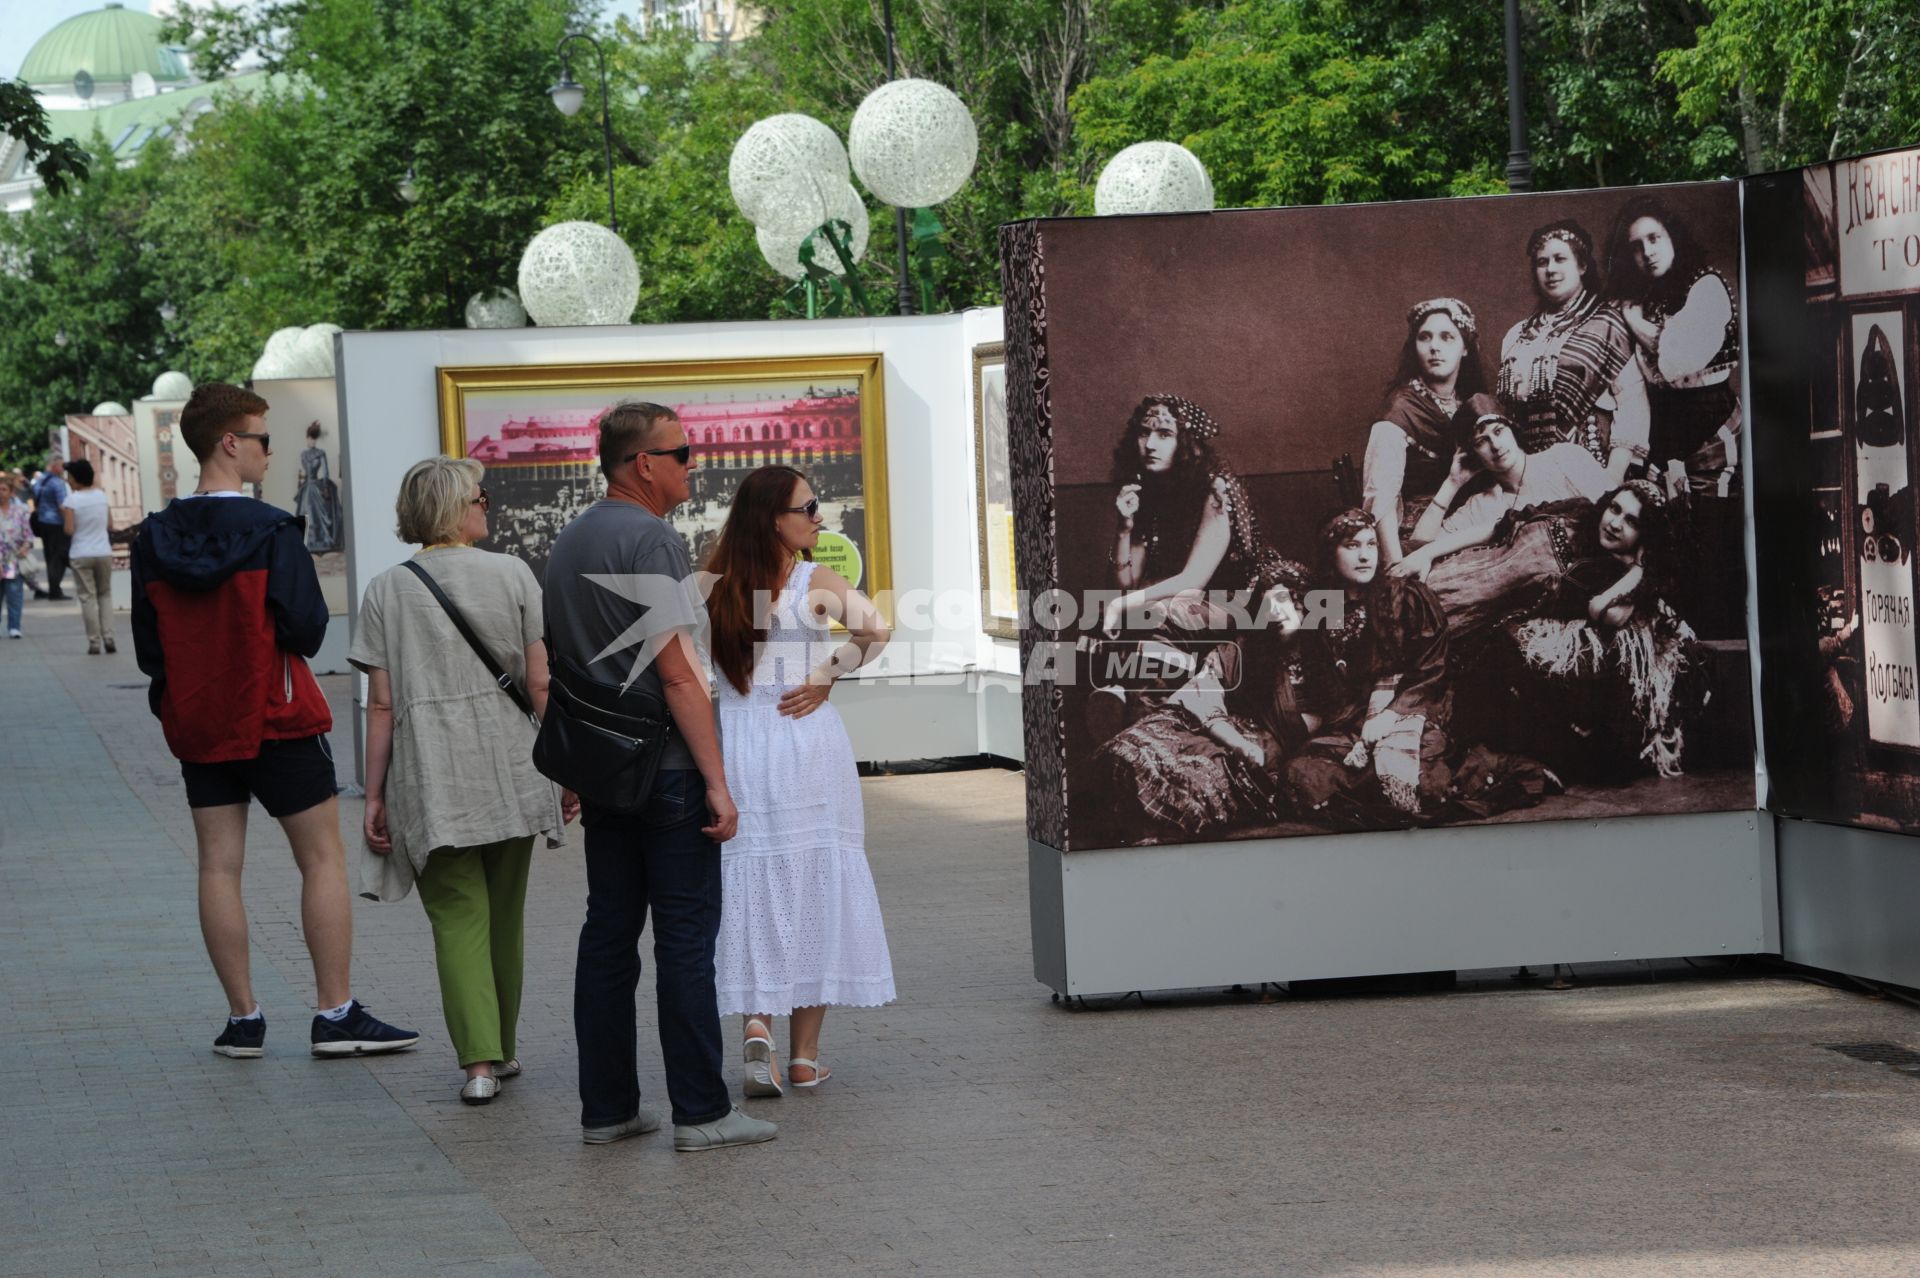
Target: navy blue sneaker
x,y
358,1033
243,1040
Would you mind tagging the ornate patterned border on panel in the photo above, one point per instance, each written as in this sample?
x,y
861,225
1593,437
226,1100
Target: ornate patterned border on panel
x,y
1036,555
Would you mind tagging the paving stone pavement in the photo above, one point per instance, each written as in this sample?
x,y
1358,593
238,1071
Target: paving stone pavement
x,y
1667,1124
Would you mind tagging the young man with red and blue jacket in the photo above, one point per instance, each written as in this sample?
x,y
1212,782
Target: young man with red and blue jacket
x,y
226,610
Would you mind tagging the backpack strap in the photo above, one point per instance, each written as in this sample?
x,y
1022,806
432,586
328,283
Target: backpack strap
x,y
500,676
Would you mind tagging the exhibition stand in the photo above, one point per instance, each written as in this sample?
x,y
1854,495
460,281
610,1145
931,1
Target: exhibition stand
x,y
1655,831
1157,858
929,696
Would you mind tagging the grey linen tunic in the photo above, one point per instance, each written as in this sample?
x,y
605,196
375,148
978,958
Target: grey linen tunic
x,y
461,774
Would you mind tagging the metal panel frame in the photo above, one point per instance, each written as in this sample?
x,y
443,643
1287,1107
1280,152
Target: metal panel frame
x,y
1213,914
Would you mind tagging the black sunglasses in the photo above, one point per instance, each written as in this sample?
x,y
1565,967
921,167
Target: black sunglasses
x,y
266,440
811,510
484,502
682,454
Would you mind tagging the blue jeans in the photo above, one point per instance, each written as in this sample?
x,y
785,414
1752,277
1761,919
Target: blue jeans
x,y
655,858
16,592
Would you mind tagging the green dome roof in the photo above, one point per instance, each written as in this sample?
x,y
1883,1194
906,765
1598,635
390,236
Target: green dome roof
x,y
109,44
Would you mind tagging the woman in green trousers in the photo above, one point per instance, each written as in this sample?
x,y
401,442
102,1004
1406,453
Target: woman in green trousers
x,y
453,802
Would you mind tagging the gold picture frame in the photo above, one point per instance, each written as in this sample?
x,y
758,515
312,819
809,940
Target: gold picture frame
x,y
809,411
993,493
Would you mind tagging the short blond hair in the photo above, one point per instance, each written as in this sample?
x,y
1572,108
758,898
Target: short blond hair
x,y
434,496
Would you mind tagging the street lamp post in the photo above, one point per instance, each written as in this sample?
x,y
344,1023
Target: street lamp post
x,y
569,96
1519,161
905,291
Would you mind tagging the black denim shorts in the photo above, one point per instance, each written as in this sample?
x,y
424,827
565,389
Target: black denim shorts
x,y
286,776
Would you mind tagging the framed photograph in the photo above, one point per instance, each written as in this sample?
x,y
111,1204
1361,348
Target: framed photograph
x,y
536,429
999,586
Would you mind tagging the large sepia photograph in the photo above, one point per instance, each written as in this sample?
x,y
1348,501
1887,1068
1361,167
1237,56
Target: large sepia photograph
x,y
536,430
1384,516
1838,444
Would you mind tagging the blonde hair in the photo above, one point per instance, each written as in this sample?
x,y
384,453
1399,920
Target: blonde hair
x,y
434,496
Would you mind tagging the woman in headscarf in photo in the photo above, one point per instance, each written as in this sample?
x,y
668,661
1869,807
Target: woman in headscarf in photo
x,y
1185,525
1497,475
1686,337
1412,441
1567,371
1210,757
1378,756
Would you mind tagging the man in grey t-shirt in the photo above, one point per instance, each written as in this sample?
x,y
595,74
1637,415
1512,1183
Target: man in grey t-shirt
x,y
617,610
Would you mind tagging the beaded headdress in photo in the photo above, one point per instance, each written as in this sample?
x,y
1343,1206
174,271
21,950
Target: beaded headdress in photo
x,y
1193,419
1649,493
1568,232
1452,307
1343,526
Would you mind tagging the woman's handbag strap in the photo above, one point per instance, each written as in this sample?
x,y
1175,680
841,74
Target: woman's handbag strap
x,y
500,676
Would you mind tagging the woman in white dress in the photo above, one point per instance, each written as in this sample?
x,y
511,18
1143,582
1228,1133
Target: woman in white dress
x,y
800,926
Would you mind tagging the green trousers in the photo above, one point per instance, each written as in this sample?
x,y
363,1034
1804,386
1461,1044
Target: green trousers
x,y
475,899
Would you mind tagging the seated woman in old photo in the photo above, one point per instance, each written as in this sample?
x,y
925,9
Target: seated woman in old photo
x,y
1379,753
1686,337
1411,441
1567,371
1211,756
1497,475
1185,526
1605,648
1567,559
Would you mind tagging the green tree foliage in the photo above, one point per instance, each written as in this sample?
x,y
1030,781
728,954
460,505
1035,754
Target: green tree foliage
x,y
58,161
290,212
1314,101
285,209
1601,117
75,266
1805,79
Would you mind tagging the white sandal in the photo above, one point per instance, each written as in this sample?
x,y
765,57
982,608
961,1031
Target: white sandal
x,y
819,1075
762,1082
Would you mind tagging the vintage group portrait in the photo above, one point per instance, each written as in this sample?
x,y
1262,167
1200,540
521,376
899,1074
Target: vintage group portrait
x,y
1502,435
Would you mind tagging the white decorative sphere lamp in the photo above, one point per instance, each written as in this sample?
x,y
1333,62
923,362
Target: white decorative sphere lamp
x,y
1154,177
496,308
785,172
172,385
313,352
579,273
783,251
110,408
913,143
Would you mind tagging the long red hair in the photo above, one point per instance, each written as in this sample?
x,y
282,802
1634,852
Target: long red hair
x,y
750,559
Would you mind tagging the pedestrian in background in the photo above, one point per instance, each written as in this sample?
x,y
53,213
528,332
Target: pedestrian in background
x,y
453,801
49,495
84,518
16,536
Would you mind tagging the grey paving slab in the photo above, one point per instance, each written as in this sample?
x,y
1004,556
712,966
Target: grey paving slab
x,y
1672,1125
133,1148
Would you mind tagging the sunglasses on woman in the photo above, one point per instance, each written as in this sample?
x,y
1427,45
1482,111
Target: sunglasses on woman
x,y
811,510
484,502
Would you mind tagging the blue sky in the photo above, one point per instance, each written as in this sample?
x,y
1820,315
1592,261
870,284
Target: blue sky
x,y
24,21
